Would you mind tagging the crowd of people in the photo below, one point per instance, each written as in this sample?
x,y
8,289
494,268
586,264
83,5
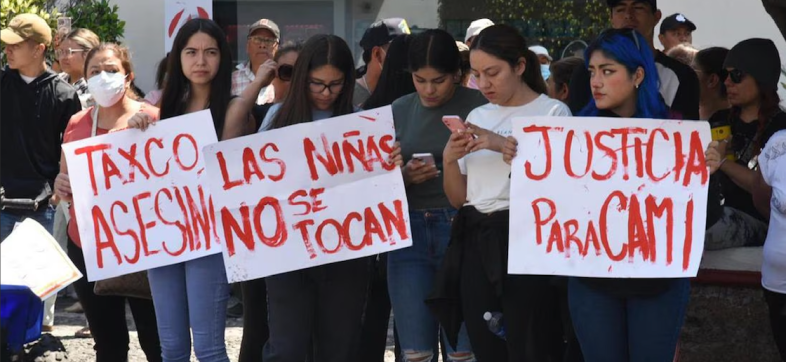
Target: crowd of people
x,y
441,287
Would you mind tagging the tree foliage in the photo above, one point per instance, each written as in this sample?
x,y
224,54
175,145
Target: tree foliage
x,y
99,16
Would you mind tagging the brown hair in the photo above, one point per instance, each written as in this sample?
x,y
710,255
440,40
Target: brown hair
x,y
84,37
506,43
122,53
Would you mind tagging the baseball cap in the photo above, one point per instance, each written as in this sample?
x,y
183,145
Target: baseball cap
x,y
27,26
674,21
476,27
653,3
383,31
539,50
266,24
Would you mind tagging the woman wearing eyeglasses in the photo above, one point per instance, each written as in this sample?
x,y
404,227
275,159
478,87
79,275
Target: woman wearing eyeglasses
x,y
753,68
71,53
318,309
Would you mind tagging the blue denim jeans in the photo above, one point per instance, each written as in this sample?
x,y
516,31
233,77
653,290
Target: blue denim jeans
x,y
636,329
411,274
191,297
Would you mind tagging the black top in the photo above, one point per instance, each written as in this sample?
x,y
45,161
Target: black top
x,y
679,88
745,147
34,117
624,288
259,112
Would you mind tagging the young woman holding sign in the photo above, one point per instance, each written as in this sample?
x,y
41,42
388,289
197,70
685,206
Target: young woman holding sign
x,y
477,181
191,297
109,74
318,309
434,64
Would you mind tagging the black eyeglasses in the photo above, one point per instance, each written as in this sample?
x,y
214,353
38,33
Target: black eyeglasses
x,y
631,33
317,87
737,76
285,72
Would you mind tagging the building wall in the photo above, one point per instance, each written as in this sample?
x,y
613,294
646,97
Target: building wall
x,y
144,35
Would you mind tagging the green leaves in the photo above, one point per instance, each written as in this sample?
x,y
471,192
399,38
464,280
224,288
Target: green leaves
x,y
11,8
98,16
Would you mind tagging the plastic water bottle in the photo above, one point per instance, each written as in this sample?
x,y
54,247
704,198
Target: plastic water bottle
x,y
495,323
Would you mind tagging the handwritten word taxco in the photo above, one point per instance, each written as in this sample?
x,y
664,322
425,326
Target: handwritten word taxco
x,y
629,194
138,198
328,185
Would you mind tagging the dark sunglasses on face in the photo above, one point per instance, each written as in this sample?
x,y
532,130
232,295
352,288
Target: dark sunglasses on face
x,y
736,76
285,72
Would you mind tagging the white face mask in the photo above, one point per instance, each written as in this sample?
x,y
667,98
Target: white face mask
x,y
107,88
545,71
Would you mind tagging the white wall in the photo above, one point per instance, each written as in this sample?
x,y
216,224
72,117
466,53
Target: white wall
x,y
422,13
726,22
144,35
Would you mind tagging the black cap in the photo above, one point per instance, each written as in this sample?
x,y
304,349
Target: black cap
x,y
653,3
382,32
675,21
757,57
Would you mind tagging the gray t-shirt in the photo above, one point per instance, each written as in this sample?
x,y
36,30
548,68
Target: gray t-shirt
x,y
360,94
420,130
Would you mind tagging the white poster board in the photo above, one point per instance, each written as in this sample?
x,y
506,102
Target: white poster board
x,y
178,12
308,195
637,209
30,256
139,197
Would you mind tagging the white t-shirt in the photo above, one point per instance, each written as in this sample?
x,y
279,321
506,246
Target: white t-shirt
x,y
488,176
772,162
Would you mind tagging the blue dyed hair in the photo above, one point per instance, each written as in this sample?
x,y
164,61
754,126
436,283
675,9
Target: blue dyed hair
x,y
630,49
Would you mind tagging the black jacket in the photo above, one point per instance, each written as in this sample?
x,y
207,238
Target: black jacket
x,y
33,118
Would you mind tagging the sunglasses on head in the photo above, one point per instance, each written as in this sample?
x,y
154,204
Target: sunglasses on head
x,y
736,76
630,33
285,72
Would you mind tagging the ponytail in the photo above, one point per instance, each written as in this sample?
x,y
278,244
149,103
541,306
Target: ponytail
x,y
506,43
532,74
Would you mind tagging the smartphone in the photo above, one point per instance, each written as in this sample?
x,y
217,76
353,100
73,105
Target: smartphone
x,y
455,124
426,158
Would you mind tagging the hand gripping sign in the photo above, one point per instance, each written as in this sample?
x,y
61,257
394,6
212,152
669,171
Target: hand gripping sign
x,y
308,195
608,197
140,197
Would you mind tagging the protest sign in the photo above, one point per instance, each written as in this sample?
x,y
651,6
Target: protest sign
x,y
30,256
139,197
178,12
608,197
308,194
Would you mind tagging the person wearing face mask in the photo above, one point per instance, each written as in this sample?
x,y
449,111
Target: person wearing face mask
x,y
544,58
375,43
109,72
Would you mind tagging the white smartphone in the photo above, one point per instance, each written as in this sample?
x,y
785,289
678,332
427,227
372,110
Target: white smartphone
x,y
426,158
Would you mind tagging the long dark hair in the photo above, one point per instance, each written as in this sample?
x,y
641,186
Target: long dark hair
x,y
562,70
319,50
434,48
395,81
161,71
710,61
177,88
769,106
506,43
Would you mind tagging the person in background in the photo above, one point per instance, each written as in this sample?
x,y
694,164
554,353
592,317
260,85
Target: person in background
x,y
679,86
476,180
466,69
261,45
559,81
154,97
472,31
684,53
36,107
318,309
435,67
544,58
109,72
188,296
708,64
675,29
285,59
71,53
753,68
375,43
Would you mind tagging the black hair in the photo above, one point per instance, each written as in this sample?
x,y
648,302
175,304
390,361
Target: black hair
x,y
288,47
710,61
161,71
318,51
177,87
434,48
395,81
562,70
506,43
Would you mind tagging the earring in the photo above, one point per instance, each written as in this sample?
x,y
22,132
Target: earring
x,y
637,86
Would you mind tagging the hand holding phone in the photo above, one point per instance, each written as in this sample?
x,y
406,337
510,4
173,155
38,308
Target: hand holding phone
x,y
426,158
418,173
455,124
